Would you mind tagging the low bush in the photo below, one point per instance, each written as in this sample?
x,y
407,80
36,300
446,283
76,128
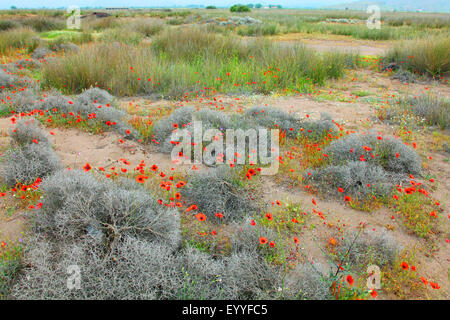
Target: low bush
x,y
219,190
77,205
386,151
26,163
274,118
357,179
40,53
19,101
369,248
433,110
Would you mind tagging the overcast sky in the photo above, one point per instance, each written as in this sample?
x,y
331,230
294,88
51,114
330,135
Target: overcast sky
x,y
6,4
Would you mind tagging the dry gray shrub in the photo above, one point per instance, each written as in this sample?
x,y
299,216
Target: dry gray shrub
x,y
27,163
316,130
21,64
219,190
431,109
9,80
77,205
136,269
164,128
28,129
20,101
94,95
358,179
308,282
404,75
40,53
274,118
370,247
249,277
246,236
384,151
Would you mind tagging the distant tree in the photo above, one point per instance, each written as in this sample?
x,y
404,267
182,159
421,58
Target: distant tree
x,y
279,6
239,8
258,6
250,5
13,7
211,7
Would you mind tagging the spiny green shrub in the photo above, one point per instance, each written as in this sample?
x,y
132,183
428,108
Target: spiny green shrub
x,y
386,151
219,190
239,8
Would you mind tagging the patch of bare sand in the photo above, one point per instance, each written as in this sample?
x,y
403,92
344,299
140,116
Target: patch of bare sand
x,y
76,148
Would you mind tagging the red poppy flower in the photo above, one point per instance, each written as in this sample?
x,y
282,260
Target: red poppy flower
x,y
262,240
87,167
200,217
434,285
350,280
272,244
404,265
219,215
347,198
154,167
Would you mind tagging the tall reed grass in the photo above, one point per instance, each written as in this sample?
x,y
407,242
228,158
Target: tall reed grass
x,y
191,59
423,56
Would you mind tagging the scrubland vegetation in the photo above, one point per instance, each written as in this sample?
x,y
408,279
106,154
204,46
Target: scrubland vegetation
x,y
363,185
